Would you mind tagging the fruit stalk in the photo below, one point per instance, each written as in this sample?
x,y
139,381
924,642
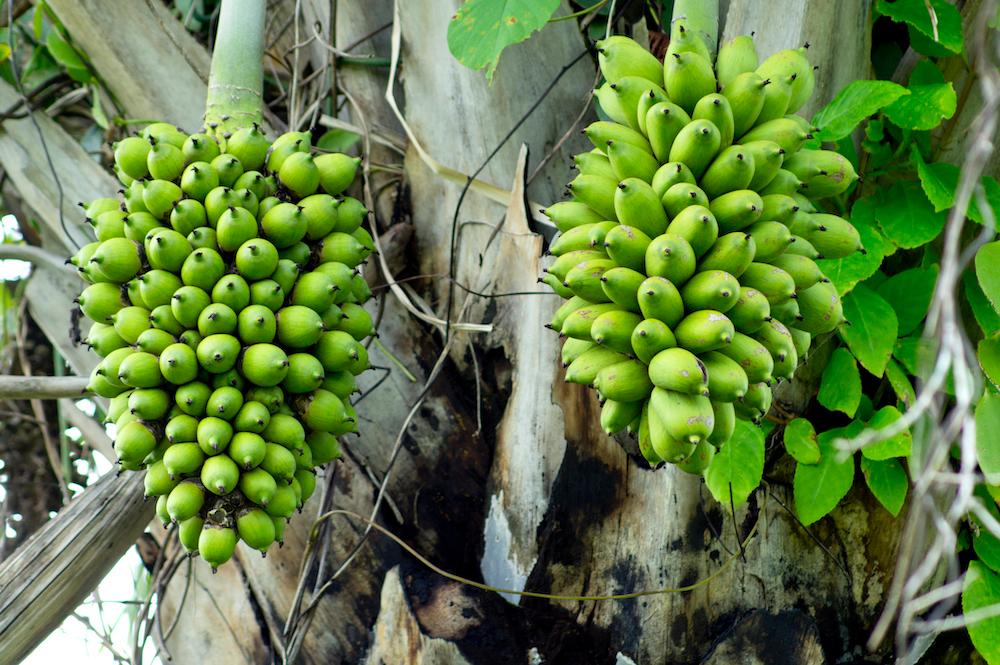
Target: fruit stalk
x,y
702,16
235,82
41,387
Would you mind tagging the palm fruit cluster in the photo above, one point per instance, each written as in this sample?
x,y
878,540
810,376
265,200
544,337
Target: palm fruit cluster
x,y
227,306
686,252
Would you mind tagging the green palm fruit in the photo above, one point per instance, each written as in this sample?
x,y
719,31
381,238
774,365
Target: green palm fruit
x,y
185,501
731,170
305,373
822,172
257,259
140,370
300,174
225,402
203,237
149,403
779,343
217,201
611,103
314,290
696,145
630,91
285,224
181,427
802,247
628,162
778,208
99,385
585,368
267,293
650,98
771,240
670,256
219,474
755,404
350,215
322,411
704,330
564,311
736,210
256,324
594,162
737,56
645,438
216,544
614,330
357,321
683,40
621,286
285,145
802,203
247,449
784,182
187,303
218,353
697,225
571,350
620,56
256,184
97,206
359,363
167,250
660,299
132,197
232,291
133,442
285,430
698,461
279,462
664,122
336,171
139,225
776,284
157,287
258,485
725,422
710,289
130,156
200,148
134,293
320,211
716,109
802,341
228,168
803,270
100,302
680,370
344,248
164,132
597,192
792,64
252,417
616,416
786,133
685,418
727,382
188,215
108,225
192,397
256,529
750,312
343,384
579,238
110,367
213,434
160,197
250,146
82,256
216,319
585,279
164,161
130,322
832,236
324,447
189,533
203,268
333,316
626,381
820,308
746,97
752,356
579,322
265,364
298,327
669,175
161,511
600,132
283,503
627,245
569,214
777,94
117,260
103,339
688,77
650,337
681,196
234,227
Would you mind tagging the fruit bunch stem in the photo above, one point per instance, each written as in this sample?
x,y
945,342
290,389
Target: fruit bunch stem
x,y
235,83
702,16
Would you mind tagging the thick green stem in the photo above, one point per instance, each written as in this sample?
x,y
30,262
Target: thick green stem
x,y
236,80
702,16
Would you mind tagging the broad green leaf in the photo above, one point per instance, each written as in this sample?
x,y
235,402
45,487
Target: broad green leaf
x,y
988,272
987,441
840,389
985,544
982,590
482,29
940,181
38,21
800,441
987,317
915,13
872,330
931,100
909,293
905,215
898,445
887,481
4,52
818,488
925,45
64,54
848,271
916,354
738,466
338,140
854,103
900,383
100,117
988,353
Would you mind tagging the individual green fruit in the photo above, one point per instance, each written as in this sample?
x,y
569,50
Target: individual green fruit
x,y
704,330
305,373
189,532
256,325
99,302
103,339
203,268
298,327
160,197
679,370
220,475
214,434
650,337
258,485
267,293
130,322
217,319
133,442
324,447
181,427
157,481
751,356
256,259
322,411
149,403
314,290
671,257
235,227
218,353
256,529
250,146
336,171
164,161
187,303
279,462
216,544
727,382
750,312
161,510
660,299
192,398
229,169
247,449
286,430
232,291
711,289
167,250
188,215
271,397
626,381
356,321
156,287
637,205
130,157
185,501
306,479
140,370
117,260
225,403
200,148
342,247
350,215
698,226
696,145
265,364
283,503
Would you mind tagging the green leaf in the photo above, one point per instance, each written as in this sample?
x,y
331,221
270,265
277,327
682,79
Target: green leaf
x,y
909,293
96,109
872,330
38,21
64,54
931,100
840,389
987,441
916,354
982,590
738,466
338,140
818,488
905,215
854,103
900,382
988,353
987,317
987,547
898,445
800,441
482,29
915,13
848,271
988,272
887,481
940,181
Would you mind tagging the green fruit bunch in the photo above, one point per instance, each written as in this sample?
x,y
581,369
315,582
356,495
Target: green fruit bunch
x,y
227,306
686,254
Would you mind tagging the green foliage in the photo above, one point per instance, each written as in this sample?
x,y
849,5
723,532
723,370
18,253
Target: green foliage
x,y
853,104
982,590
857,267
887,481
840,389
872,330
930,101
738,467
800,441
897,445
818,488
987,441
909,293
906,216
915,14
